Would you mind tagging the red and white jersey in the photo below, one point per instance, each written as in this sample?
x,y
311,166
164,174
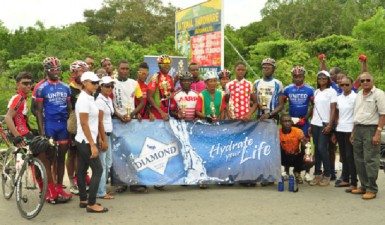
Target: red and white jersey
x,y
239,92
188,101
19,104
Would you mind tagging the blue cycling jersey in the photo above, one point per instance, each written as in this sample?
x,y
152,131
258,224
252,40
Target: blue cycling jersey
x,y
55,97
299,98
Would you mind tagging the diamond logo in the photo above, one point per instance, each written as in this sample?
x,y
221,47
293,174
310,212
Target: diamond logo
x,y
155,155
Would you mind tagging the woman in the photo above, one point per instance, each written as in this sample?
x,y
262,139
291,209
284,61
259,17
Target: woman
x,y
87,115
325,99
106,110
344,119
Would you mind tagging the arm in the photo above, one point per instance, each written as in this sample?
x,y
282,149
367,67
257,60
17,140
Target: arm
x,y
322,60
328,128
11,126
83,117
377,135
253,108
102,139
39,118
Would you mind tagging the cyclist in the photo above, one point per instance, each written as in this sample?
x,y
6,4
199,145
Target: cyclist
x,y
300,96
17,121
53,97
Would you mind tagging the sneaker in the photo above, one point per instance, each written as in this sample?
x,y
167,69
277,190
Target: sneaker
x,y
60,191
74,190
308,177
285,176
298,178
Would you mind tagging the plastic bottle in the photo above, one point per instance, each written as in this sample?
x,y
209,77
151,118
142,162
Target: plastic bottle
x,y
281,185
19,162
291,183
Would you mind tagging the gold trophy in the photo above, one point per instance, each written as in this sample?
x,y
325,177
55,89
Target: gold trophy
x,y
164,85
129,110
263,101
231,108
183,106
212,107
180,66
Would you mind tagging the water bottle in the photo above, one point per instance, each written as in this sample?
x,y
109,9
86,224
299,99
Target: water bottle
x,y
281,185
19,162
291,183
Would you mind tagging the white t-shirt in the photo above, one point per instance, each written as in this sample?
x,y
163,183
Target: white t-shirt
x,y
345,106
322,101
189,99
105,104
86,104
124,95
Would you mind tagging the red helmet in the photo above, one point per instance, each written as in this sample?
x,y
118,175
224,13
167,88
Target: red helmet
x,y
224,73
164,59
78,65
51,63
298,70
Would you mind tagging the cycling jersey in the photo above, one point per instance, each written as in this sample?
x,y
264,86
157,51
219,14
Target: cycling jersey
x,y
239,92
299,98
271,89
125,93
186,100
55,97
19,104
143,87
157,83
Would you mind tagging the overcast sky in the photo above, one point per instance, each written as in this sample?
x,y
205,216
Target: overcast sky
x,y
16,13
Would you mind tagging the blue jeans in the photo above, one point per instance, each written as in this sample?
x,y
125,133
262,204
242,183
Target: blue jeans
x,y
106,160
321,153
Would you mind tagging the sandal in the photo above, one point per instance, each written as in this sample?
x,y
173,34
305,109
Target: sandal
x,y
138,189
316,180
121,189
107,196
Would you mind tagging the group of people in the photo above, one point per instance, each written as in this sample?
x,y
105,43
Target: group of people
x,y
79,118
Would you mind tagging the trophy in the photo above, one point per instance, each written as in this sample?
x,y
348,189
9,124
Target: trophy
x,y
129,110
263,101
180,66
212,107
231,108
183,106
164,85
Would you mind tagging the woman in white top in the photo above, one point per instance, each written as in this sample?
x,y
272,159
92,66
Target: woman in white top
x,y
344,121
87,115
106,110
325,99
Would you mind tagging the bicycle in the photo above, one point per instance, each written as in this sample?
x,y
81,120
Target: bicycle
x,y
27,174
3,141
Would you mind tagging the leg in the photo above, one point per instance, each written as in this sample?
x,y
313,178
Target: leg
x,y
350,160
332,155
102,185
84,153
358,149
371,159
97,171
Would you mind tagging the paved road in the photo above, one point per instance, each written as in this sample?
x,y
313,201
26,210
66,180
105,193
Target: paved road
x,y
218,205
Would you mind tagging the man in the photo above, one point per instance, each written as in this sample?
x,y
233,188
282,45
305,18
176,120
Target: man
x,y
53,98
142,74
107,65
267,95
184,99
211,103
90,63
77,69
160,89
290,139
299,96
125,92
369,120
197,84
224,78
238,93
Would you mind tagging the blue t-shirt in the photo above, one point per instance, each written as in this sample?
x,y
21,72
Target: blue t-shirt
x,y
55,97
299,98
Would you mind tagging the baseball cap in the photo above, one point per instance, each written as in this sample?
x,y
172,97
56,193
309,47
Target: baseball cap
x,y
89,76
106,80
324,72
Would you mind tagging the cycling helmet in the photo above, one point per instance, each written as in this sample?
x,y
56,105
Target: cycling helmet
x,y
78,65
51,63
186,76
298,70
210,75
164,59
39,144
224,73
269,61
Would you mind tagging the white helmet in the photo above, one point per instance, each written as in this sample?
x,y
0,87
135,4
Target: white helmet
x,y
210,75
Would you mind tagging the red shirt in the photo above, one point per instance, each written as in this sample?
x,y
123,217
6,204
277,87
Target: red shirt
x,y
143,87
19,104
157,83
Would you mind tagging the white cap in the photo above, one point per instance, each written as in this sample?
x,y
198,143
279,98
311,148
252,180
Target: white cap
x,y
106,80
89,76
324,72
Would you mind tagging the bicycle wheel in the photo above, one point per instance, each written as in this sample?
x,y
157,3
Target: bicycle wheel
x,y
31,187
8,174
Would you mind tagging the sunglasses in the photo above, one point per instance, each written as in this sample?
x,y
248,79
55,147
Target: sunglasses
x,y
322,78
54,69
142,73
366,80
108,85
164,64
94,83
344,85
26,83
